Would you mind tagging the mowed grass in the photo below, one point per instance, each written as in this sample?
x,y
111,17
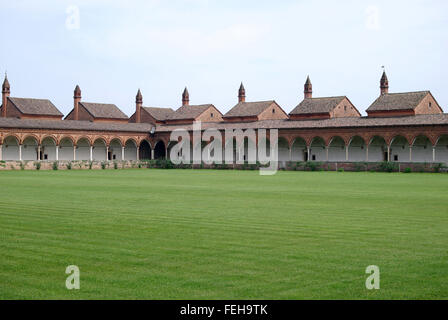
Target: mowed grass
x,y
205,234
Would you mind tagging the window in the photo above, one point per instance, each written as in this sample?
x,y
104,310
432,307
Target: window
x,y
273,110
345,108
430,105
211,115
396,157
313,157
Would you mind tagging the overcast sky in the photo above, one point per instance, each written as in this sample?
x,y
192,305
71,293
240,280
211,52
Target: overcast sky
x,y
111,48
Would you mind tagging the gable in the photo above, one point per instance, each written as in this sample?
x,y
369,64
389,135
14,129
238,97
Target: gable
x,y
273,112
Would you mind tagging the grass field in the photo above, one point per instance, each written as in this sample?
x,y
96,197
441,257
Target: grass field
x,y
203,234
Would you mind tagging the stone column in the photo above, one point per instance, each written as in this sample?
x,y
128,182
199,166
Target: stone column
x,y
410,153
91,153
122,153
38,153
20,152
152,154
346,153
388,153
74,153
433,154
367,153
308,155
138,153
326,152
107,153
57,152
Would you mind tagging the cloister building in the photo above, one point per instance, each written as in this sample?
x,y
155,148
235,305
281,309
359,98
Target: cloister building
x,y
401,127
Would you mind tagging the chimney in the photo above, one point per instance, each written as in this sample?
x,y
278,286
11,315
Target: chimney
x,y
242,94
6,90
77,100
185,98
384,84
138,106
308,88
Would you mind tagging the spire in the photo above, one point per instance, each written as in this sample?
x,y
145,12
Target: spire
x,y
185,97
6,87
308,88
384,84
241,93
77,92
139,97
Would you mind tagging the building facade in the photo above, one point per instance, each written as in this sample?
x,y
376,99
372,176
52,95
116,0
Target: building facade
x,y
399,127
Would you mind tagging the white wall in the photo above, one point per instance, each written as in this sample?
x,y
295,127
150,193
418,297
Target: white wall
x,y
115,149
318,150
357,150
442,150
298,150
29,149
49,149
10,149
400,148
99,151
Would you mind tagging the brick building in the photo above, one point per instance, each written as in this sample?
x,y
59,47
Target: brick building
x,y
401,127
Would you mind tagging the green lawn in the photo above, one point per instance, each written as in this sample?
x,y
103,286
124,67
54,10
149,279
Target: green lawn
x,y
204,234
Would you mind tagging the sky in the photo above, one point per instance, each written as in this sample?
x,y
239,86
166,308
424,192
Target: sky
x,y
112,48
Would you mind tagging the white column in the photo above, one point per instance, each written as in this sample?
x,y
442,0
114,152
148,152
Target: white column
x,y
410,153
388,153
326,152
20,152
308,155
122,153
290,153
107,153
91,153
57,152
433,154
38,153
74,153
346,153
152,154
367,153
138,153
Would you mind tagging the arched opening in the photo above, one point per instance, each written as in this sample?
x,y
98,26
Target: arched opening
x,y
99,150
144,150
130,150
336,149
442,149
10,148
377,149
422,149
48,149
29,148
283,151
83,149
357,149
399,150
159,150
66,149
317,150
115,151
299,150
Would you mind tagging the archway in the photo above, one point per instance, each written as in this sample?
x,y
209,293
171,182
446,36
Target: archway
x,y
283,150
66,149
115,150
10,148
299,150
29,148
317,150
130,150
99,150
399,149
144,150
422,149
83,149
442,149
159,150
336,149
48,149
357,149
377,149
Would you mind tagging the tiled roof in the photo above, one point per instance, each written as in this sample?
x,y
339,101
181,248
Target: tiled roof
x,y
35,106
248,109
74,125
398,101
103,110
159,113
317,105
354,122
189,112
349,122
